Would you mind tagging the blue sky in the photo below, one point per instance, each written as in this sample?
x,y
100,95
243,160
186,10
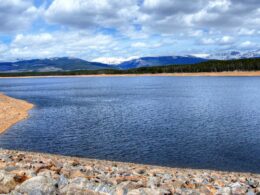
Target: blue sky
x,y
112,30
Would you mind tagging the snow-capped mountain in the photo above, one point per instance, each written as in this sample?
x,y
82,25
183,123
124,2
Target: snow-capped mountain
x,y
230,55
72,64
160,61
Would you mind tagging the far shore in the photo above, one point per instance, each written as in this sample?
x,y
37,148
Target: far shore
x,y
199,74
12,111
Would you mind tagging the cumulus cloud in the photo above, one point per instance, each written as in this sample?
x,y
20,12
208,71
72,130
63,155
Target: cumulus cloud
x,y
248,44
139,44
16,14
113,30
157,16
41,45
85,14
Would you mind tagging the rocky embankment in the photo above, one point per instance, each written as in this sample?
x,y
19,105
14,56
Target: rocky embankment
x,y
35,173
12,111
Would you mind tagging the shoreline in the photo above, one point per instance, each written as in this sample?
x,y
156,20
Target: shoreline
x,y
202,74
31,172
12,111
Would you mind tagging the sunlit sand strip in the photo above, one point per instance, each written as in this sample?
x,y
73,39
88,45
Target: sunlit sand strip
x,y
12,111
207,74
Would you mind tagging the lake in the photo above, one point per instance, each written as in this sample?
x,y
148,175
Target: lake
x,y
196,122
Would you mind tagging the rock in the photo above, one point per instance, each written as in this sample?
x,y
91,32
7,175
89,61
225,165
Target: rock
x,y
139,171
101,187
62,182
75,186
148,191
208,190
11,168
250,192
224,191
153,182
38,185
178,184
7,182
34,173
75,163
219,183
5,157
237,188
76,173
126,186
24,173
82,185
252,183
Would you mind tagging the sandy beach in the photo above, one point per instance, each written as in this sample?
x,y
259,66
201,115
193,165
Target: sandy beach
x,y
205,74
12,111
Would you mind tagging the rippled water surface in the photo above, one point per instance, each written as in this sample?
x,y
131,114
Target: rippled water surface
x,y
198,122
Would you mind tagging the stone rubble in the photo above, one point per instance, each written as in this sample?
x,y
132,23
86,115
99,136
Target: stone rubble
x,y
39,174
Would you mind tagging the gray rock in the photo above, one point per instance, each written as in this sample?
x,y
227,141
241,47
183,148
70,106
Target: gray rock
x,y
11,168
7,182
224,191
153,182
167,176
252,183
63,181
5,157
38,185
101,187
148,191
250,193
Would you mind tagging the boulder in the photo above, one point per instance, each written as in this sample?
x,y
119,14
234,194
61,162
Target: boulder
x,y
38,185
7,182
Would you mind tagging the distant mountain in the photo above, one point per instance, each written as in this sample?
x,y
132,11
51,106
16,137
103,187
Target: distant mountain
x,y
160,61
73,64
232,55
51,64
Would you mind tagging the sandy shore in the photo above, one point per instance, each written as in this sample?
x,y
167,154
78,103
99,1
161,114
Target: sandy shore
x,y
206,74
12,111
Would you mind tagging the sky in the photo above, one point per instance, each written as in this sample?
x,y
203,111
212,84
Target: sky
x,y
116,30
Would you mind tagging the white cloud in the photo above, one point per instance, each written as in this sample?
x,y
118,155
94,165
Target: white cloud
x,y
78,44
248,44
226,40
16,15
112,30
218,41
85,14
139,44
245,31
208,41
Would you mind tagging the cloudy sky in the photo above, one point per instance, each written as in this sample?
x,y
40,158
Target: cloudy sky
x,y
120,29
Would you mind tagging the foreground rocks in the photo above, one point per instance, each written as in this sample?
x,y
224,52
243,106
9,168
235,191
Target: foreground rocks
x,y
38,174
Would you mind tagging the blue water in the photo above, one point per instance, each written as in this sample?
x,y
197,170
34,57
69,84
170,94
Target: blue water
x,y
198,122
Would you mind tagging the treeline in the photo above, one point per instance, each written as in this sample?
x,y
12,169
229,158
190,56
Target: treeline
x,y
209,66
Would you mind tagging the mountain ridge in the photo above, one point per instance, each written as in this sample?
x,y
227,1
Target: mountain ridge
x,y
73,64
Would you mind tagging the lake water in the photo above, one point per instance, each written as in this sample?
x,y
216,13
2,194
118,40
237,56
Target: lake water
x,y
198,122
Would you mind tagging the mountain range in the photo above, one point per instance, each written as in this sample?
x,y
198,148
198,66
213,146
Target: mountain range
x,y
50,65
73,64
